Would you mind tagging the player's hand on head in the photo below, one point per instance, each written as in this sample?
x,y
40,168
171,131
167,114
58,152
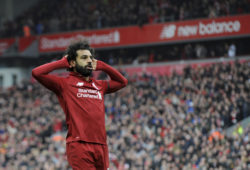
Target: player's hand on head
x,y
66,56
94,64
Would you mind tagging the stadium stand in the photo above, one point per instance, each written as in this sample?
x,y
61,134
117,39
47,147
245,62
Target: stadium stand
x,y
157,122
175,52
60,16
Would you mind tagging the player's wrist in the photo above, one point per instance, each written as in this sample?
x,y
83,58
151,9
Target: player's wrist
x,y
99,65
65,62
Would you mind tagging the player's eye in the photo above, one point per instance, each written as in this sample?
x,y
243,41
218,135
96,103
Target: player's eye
x,y
84,57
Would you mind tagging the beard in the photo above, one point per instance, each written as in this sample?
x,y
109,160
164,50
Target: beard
x,y
83,70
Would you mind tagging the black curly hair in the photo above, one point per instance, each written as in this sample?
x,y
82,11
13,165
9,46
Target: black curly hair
x,y
79,45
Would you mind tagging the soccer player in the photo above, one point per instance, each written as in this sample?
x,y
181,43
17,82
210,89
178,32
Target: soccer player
x,y
82,99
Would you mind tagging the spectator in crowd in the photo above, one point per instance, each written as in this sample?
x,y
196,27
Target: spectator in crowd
x,y
157,122
232,50
201,51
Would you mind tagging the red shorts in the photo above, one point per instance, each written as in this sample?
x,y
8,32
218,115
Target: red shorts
x,y
87,156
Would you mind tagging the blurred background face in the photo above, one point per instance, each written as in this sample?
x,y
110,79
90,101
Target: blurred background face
x,y
83,64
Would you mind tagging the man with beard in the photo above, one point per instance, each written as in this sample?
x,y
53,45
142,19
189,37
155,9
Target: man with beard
x,y
82,99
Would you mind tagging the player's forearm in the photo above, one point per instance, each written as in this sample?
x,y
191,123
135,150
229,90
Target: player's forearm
x,y
113,73
49,67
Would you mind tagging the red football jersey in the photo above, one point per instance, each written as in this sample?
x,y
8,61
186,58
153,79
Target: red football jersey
x,y
82,101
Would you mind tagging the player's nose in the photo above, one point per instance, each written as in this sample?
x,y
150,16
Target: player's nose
x,y
89,60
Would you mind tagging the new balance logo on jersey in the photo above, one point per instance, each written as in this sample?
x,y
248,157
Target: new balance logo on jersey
x,y
80,84
168,31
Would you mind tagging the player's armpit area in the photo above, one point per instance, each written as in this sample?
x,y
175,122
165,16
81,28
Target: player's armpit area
x,y
51,82
117,81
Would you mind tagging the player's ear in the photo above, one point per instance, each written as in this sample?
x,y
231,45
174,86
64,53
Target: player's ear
x,y
72,63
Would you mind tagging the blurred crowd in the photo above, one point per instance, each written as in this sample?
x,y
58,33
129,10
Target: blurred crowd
x,y
176,52
172,122
177,122
30,120
62,15
166,53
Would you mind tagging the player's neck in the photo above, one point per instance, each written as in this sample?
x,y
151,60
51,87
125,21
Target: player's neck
x,y
86,78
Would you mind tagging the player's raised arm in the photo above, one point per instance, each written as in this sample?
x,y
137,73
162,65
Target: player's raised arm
x,y
117,81
52,82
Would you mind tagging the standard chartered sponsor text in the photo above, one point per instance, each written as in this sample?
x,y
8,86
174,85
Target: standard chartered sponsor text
x,y
87,91
94,39
87,95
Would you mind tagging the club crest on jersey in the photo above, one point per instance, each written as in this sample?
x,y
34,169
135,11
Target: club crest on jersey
x,y
80,84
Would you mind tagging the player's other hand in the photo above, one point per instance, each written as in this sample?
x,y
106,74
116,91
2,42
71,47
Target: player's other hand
x,y
94,64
